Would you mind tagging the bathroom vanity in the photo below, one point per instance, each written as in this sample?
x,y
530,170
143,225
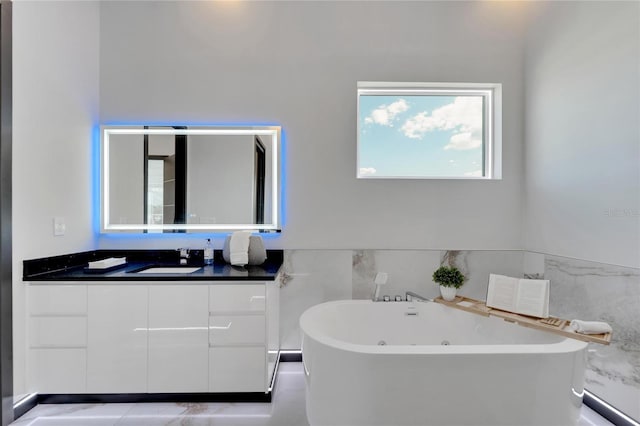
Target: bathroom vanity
x,y
212,333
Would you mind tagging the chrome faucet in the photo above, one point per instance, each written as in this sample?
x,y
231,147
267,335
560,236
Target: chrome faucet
x,y
411,296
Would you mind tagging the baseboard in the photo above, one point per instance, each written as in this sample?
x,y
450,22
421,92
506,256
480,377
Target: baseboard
x,y
291,356
103,398
607,411
24,405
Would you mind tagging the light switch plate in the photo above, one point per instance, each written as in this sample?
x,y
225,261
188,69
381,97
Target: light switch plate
x,y
59,226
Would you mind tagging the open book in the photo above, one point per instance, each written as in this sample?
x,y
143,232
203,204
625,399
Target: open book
x,y
522,296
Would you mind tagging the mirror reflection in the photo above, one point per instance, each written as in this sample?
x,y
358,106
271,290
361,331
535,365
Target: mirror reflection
x,y
181,179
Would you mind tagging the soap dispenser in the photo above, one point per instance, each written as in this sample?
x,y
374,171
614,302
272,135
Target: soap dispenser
x,y
208,253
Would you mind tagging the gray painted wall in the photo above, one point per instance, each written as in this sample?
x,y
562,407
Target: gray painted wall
x,y
55,105
582,156
297,64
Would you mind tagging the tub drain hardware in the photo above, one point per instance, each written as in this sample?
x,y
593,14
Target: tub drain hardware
x,y
411,311
445,343
382,343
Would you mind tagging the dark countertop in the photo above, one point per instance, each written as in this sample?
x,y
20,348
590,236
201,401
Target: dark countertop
x,y
71,267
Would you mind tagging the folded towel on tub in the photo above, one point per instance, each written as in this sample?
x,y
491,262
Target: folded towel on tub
x,y
590,327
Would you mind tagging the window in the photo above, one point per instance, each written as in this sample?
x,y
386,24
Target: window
x,y
429,130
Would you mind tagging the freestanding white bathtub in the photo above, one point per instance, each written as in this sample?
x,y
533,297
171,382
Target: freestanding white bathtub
x,y
417,363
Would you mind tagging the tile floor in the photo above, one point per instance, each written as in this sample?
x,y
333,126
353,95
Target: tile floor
x,y
287,409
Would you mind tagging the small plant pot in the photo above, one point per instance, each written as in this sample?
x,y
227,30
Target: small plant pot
x,y
448,293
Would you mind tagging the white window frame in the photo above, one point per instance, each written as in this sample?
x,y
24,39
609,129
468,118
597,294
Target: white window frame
x,y
492,126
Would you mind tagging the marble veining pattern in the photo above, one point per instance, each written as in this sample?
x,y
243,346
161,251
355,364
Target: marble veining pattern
x,y
286,409
476,265
455,258
593,291
412,270
533,265
313,277
364,272
309,277
407,270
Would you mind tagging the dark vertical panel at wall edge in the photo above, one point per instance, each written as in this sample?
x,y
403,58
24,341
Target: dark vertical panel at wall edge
x,y
6,310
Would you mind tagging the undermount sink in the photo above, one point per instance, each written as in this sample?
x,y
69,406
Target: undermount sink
x,y
170,270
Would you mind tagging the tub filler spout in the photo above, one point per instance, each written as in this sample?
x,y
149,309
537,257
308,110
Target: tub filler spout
x,y
411,296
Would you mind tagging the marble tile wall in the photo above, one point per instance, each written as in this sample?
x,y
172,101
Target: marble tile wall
x,y
595,291
315,276
579,289
310,277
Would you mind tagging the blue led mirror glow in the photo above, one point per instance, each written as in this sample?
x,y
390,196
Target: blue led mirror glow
x,y
174,178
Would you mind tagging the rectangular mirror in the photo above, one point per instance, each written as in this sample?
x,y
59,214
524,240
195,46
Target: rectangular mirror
x,y
157,179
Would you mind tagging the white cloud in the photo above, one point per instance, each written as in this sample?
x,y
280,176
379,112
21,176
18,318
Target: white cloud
x,y
385,114
477,173
464,141
367,171
463,115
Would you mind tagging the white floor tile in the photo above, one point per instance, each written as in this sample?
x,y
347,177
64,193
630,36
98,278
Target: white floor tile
x,y
588,417
286,409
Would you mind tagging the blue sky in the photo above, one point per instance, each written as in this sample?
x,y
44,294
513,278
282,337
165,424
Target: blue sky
x,y
415,136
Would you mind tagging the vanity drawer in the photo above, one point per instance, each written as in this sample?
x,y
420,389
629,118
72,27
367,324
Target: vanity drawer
x,y
237,369
237,298
230,330
57,370
58,332
58,299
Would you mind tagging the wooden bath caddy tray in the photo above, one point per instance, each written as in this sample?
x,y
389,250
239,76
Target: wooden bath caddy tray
x,y
551,324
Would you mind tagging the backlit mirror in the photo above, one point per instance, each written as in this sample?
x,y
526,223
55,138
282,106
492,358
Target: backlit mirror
x,y
159,179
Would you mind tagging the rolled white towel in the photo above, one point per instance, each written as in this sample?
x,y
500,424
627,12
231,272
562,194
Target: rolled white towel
x,y
590,327
239,248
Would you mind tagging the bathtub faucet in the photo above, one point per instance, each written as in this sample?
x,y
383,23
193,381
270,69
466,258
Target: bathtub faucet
x,y
411,296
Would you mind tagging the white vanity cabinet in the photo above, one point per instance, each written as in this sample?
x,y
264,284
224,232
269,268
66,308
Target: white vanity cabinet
x,y
178,338
152,336
57,338
243,336
237,338
117,338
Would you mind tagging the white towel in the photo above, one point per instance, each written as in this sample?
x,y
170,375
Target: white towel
x,y
590,327
107,263
239,248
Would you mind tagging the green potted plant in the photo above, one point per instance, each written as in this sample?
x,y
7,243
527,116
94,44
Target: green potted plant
x,y
450,280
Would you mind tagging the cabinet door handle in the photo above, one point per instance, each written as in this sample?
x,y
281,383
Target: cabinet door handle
x,y
223,327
